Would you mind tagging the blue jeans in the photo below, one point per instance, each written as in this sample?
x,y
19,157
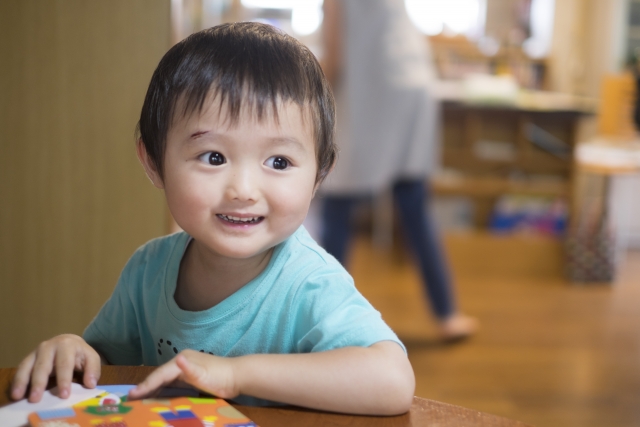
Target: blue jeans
x,y
410,197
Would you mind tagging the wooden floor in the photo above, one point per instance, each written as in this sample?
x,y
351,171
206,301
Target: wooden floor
x,y
548,353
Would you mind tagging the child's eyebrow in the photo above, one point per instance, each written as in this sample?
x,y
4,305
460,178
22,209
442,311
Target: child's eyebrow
x,y
285,140
275,141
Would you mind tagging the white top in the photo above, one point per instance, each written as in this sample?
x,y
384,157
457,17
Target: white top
x,y
387,121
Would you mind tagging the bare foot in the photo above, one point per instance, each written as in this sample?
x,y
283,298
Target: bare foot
x,y
457,326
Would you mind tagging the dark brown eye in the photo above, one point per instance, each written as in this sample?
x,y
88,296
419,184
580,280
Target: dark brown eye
x,y
278,162
214,158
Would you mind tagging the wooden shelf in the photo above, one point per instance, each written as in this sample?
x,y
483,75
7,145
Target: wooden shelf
x,y
532,161
487,146
495,187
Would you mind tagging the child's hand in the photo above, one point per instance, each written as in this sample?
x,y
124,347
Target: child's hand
x,y
212,374
64,353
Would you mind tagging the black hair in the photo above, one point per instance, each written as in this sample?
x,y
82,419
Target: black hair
x,y
238,62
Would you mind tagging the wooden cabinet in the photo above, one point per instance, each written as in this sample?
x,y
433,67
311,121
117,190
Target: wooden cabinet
x,y
496,150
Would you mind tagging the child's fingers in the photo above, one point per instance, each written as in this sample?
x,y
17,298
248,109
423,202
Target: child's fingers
x,y
65,364
91,369
42,369
158,378
22,376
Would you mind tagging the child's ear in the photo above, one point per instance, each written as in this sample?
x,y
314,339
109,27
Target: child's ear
x,y
148,165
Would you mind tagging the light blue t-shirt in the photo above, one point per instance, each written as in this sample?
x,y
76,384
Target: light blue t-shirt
x,y
304,301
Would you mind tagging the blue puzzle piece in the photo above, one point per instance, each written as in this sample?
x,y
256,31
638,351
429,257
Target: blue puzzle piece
x,y
182,414
50,414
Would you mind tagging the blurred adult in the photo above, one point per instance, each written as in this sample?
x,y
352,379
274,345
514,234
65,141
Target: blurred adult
x,y
387,132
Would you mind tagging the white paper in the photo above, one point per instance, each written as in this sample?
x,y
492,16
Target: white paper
x,y
16,414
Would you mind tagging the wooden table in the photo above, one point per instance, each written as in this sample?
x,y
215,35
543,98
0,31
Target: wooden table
x,y
424,412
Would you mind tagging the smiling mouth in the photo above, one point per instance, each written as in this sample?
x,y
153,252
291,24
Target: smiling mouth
x,y
238,220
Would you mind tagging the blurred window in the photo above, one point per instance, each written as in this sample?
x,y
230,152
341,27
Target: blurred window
x,y
541,24
269,4
306,15
433,17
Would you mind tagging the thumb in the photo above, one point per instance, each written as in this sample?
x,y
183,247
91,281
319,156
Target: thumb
x,y
203,372
192,372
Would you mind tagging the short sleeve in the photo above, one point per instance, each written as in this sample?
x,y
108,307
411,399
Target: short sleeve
x,y
114,331
330,313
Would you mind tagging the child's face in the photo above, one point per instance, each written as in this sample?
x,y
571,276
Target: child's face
x,y
240,190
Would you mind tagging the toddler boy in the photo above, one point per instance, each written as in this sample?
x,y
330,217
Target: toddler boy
x,y
237,130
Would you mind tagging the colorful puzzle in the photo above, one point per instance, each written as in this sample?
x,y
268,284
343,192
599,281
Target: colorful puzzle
x,y
113,410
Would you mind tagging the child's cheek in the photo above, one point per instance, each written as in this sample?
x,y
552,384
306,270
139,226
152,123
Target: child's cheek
x,y
292,199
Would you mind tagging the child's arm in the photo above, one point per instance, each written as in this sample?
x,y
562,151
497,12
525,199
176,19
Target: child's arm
x,y
361,380
61,355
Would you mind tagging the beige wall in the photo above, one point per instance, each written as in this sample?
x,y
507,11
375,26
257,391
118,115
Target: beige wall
x,y
587,43
74,203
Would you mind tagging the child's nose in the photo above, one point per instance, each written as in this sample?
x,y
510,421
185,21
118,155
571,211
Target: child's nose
x,y
242,185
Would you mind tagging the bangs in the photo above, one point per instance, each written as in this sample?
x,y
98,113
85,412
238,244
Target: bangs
x,y
257,74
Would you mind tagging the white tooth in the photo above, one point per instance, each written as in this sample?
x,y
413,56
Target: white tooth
x,y
238,219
